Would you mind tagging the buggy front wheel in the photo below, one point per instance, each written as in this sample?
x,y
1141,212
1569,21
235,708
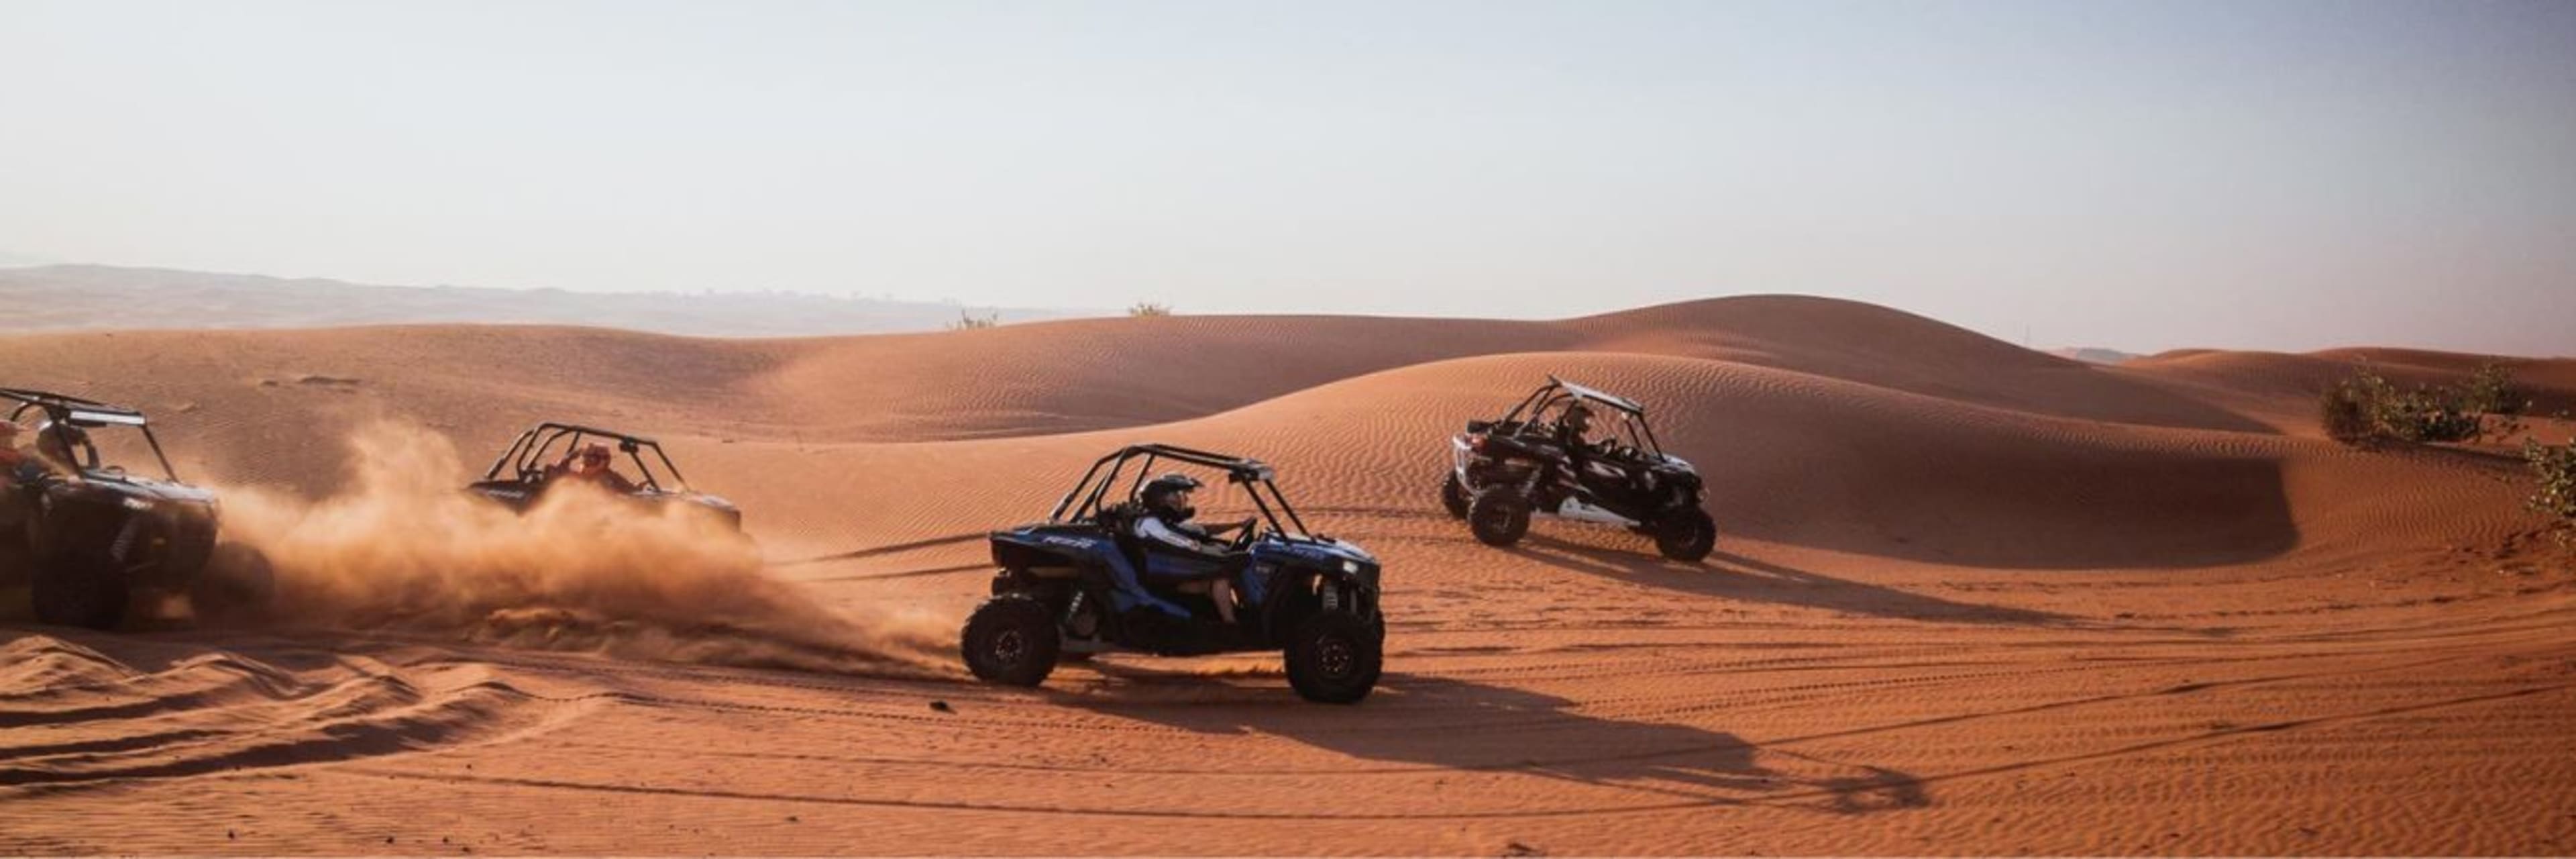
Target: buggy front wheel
x,y
1686,535
1011,640
238,583
1334,658
1498,516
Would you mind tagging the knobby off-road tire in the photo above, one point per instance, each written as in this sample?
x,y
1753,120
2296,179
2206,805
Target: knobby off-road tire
x,y
238,584
1453,496
1010,639
1687,536
1334,658
1498,516
1011,581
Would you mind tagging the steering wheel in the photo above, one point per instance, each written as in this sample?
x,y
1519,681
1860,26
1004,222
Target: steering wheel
x,y
1243,536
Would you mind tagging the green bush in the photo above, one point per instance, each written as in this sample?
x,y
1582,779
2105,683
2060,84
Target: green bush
x,y
2350,408
2428,415
2555,469
2366,408
2491,390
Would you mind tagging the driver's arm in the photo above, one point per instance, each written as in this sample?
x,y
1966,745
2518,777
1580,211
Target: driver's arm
x,y
1237,525
1152,528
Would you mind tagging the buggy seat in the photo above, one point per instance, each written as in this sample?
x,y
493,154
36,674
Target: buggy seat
x,y
1120,520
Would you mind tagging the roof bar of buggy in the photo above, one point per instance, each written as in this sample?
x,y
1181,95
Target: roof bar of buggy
x,y
537,438
1237,467
1599,396
78,411
1538,399
74,408
1252,472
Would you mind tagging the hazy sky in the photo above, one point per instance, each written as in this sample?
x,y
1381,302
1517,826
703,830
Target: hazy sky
x,y
2140,175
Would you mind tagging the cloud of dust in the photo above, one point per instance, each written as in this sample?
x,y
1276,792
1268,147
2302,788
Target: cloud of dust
x,y
405,548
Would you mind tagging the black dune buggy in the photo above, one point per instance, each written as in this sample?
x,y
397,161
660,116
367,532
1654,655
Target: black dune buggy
x,y
1076,585
1533,460
541,460
88,537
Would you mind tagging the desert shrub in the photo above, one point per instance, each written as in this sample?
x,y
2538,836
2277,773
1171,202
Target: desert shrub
x,y
2350,408
2429,415
1148,308
2555,470
2366,408
2491,391
969,322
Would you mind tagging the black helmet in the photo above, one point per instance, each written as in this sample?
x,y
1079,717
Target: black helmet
x,y
1159,491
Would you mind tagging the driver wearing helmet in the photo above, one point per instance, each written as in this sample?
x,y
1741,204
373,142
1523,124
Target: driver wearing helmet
x,y
1177,548
591,464
58,446
1573,432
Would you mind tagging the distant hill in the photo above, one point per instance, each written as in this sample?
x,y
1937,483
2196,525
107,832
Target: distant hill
x,y
2093,354
89,297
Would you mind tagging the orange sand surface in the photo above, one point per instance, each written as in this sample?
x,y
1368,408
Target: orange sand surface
x,y
1968,598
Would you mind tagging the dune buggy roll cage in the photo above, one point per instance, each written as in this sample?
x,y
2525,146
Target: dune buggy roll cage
x,y
1558,390
86,414
525,457
1253,475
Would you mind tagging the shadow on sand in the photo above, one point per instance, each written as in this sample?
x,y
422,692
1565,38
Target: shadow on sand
x,y
1429,723
1735,577
2028,506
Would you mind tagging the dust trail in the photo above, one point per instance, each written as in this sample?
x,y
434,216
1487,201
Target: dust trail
x,y
404,548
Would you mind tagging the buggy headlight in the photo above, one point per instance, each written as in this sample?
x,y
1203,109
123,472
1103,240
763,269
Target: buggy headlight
x,y
138,505
1350,566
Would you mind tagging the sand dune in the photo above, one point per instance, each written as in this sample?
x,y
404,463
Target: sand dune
x,y
1968,599
2280,390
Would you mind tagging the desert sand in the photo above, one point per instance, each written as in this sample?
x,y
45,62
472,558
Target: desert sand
x,y
1968,598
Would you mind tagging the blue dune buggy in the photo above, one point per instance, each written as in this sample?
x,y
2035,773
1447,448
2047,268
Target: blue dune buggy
x,y
1074,585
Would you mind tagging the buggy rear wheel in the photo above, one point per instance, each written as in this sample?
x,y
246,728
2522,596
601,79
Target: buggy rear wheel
x,y
1453,496
1334,658
80,589
237,584
1686,535
1498,516
1011,640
